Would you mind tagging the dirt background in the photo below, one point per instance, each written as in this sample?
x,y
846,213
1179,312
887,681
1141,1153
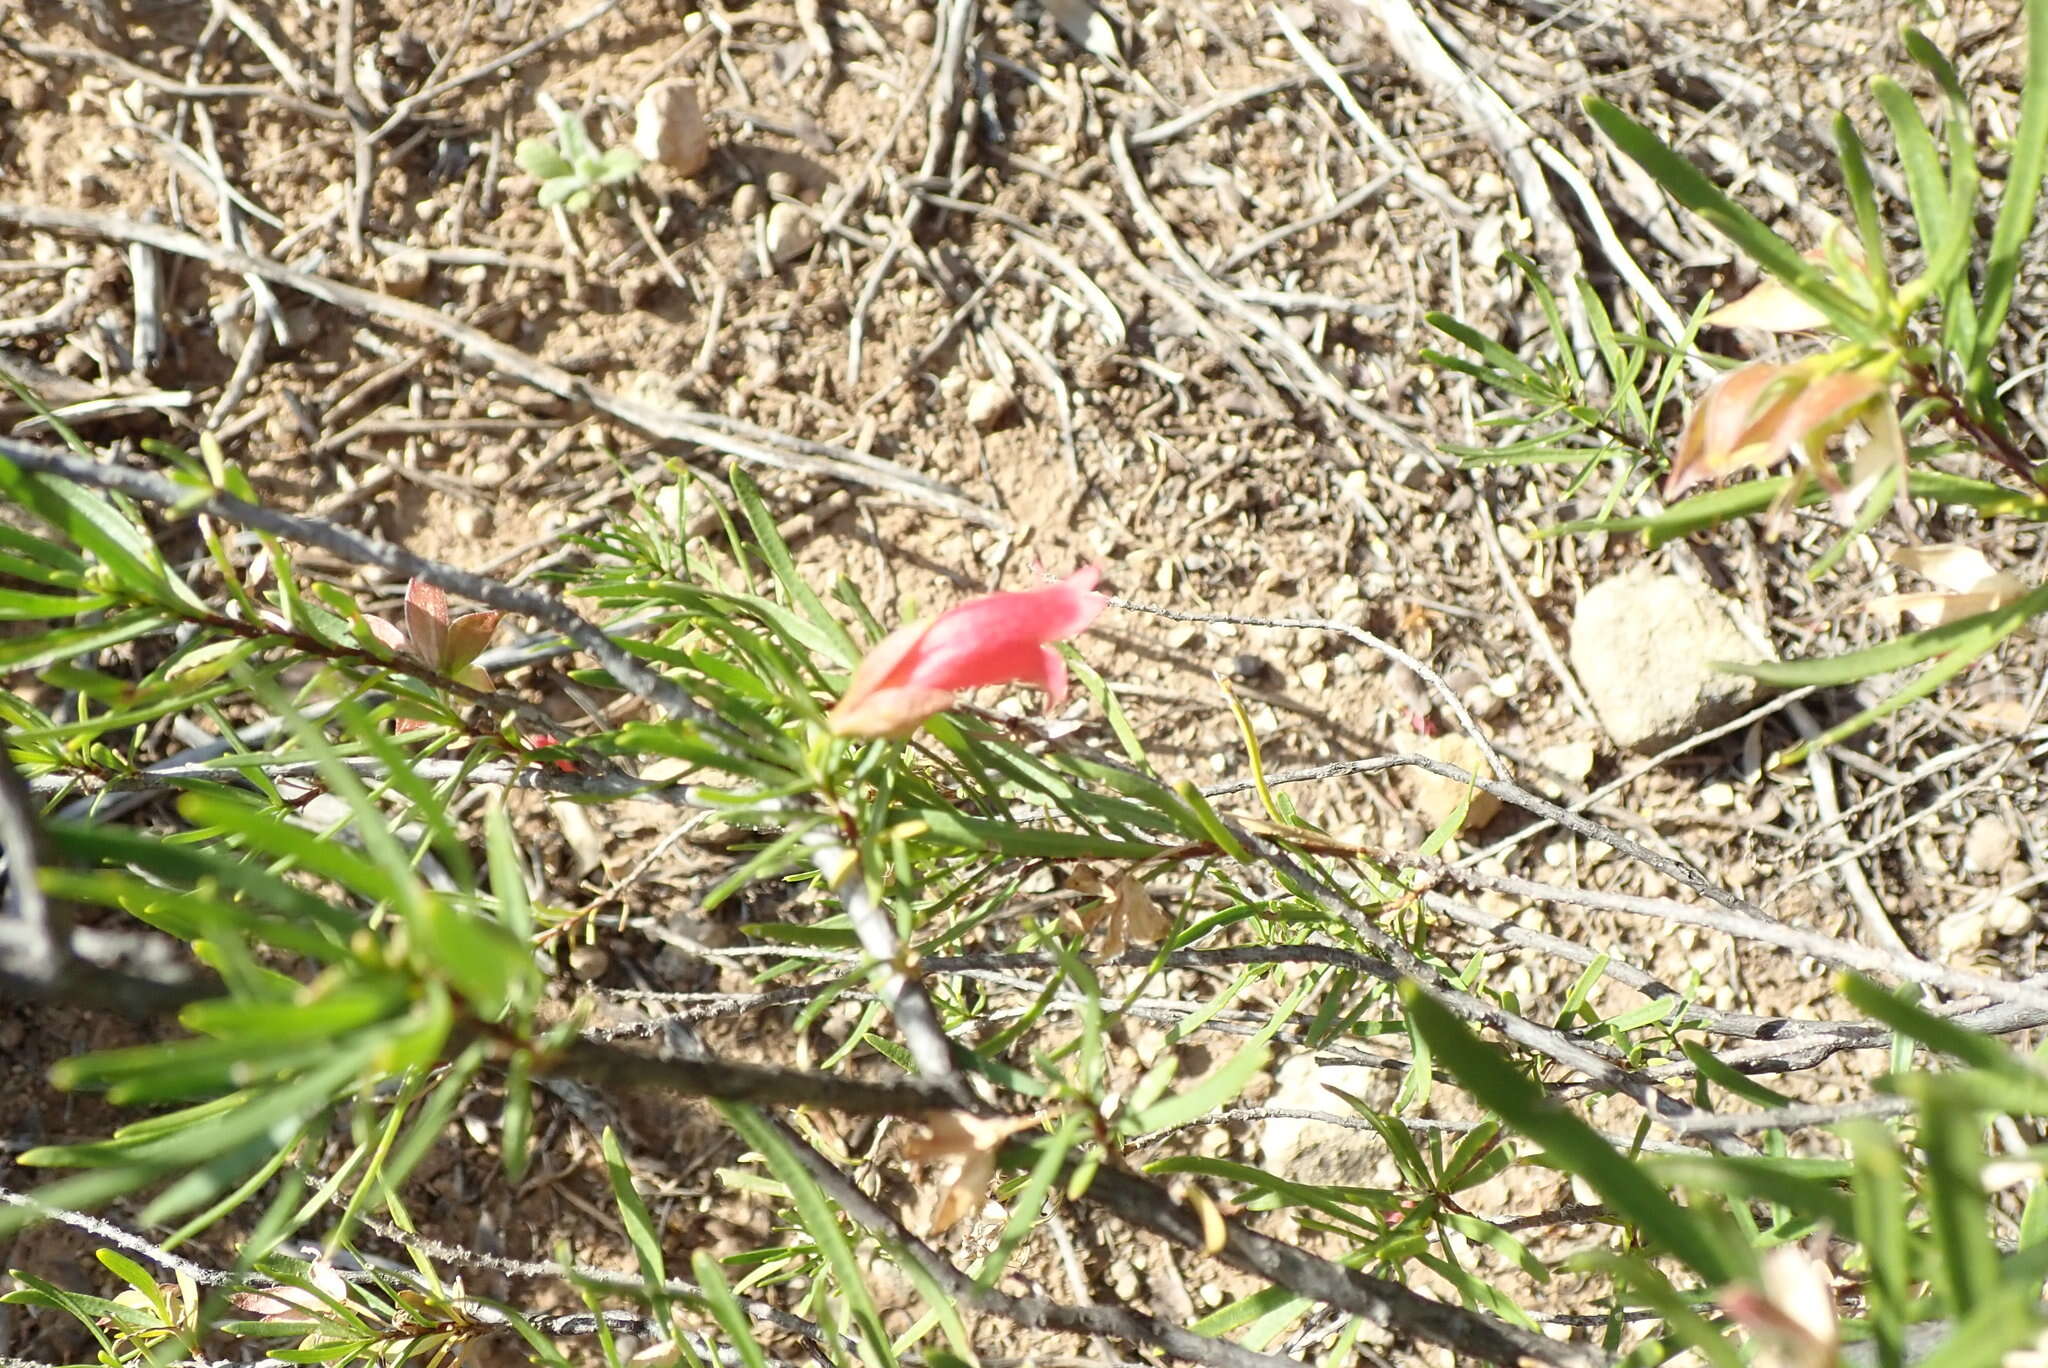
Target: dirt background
x,y
1138,286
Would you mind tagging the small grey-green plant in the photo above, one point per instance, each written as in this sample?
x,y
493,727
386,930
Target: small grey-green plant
x,y
572,171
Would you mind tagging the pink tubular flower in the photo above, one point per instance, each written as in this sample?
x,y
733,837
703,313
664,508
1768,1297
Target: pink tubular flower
x,y
915,671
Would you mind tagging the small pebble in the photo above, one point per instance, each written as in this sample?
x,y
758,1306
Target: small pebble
x,y
920,27
1315,675
404,274
1569,760
1410,472
1483,703
1962,933
1437,797
791,232
990,405
489,474
669,130
2010,916
589,961
1246,667
473,522
746,202
1463,678
782,184
1989,844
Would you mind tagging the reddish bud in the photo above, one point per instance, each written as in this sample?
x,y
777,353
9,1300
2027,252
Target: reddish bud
x,y
1756,416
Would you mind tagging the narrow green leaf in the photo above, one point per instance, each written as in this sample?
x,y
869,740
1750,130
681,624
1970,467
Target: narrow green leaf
x,y
1685,183
1220,1087
768,542
1936,1033
984,833
22,605
1569,1142
490,967
819,1218
1952,1137
1974,634
1495,355
725,1308
35,650
633,1214
275,838
1927,184
94,521
1994,628
1862,193
2017,205
1880,1193
508,875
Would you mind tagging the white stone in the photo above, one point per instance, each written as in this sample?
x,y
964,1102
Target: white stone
x,y
1643,644
1962,933
1989,844
1318,1151
668,128
791,232
1571,761
2010,915
404,274
989,405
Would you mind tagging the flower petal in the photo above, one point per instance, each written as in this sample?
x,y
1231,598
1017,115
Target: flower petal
x,y
467,637
1716,426
1000,638
894,712
388,635
996,639
1756,416
879,671
426,617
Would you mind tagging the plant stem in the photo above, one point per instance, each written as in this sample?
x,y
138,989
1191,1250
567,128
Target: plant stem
x,y
1926,384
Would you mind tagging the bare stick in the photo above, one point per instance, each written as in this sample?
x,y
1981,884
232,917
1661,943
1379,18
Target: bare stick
x,y
767,1313
733,1080
1820,771
1036,1312
1363,638
930,1049
745,442
1751,926
1385,1303
360,550
43,956
1309,370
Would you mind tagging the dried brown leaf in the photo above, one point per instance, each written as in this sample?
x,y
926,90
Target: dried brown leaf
x,y
1771,307
1126,912
968,1145
1969,585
